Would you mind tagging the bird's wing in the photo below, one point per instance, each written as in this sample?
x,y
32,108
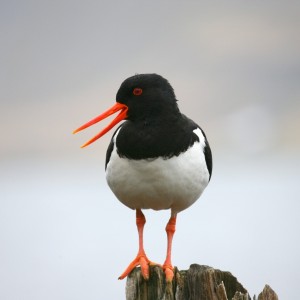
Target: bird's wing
x,y
111,147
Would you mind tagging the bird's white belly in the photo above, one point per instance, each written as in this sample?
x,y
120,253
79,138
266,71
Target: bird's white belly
x,y
174,183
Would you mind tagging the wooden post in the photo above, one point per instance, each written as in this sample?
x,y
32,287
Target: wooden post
x,y
267,294
196,283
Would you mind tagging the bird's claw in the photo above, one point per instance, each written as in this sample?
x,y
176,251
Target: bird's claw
x,y
168,269
142,261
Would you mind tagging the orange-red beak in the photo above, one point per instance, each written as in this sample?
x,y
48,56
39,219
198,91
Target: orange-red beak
x,y
121,116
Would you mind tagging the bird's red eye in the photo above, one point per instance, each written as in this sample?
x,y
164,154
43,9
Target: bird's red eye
x,y
137,91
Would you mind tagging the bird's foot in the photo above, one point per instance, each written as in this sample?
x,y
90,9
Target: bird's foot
x,y
142,261
169,272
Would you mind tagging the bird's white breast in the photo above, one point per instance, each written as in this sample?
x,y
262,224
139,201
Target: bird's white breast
x,y
160,183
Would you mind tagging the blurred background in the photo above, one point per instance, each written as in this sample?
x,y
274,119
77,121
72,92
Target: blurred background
x,y
235,68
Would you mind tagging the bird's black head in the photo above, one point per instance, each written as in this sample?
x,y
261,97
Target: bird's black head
x,y
147,95
141,97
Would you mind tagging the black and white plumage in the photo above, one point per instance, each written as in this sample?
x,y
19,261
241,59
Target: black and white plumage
x,y
158,158
163,182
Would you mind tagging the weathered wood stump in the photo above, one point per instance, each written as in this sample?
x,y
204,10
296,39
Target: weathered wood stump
x,y
196,283
267,294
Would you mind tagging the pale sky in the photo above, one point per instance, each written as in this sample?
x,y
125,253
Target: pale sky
x,y
234,67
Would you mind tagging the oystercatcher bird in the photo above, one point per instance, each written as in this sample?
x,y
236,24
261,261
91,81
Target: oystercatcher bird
x,y
158,158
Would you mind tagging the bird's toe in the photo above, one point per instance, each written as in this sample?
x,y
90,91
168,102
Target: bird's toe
x,y
142,261
169,272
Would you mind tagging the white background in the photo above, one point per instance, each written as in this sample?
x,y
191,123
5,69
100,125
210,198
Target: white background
x,y
235,70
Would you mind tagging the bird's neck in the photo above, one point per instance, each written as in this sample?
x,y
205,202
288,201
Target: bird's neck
x,y
153,137
155,116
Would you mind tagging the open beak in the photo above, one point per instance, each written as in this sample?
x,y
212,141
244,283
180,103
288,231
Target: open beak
x,y
121,116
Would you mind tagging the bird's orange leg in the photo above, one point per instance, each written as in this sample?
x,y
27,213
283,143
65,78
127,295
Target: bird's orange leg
x,y
141,258
167,266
